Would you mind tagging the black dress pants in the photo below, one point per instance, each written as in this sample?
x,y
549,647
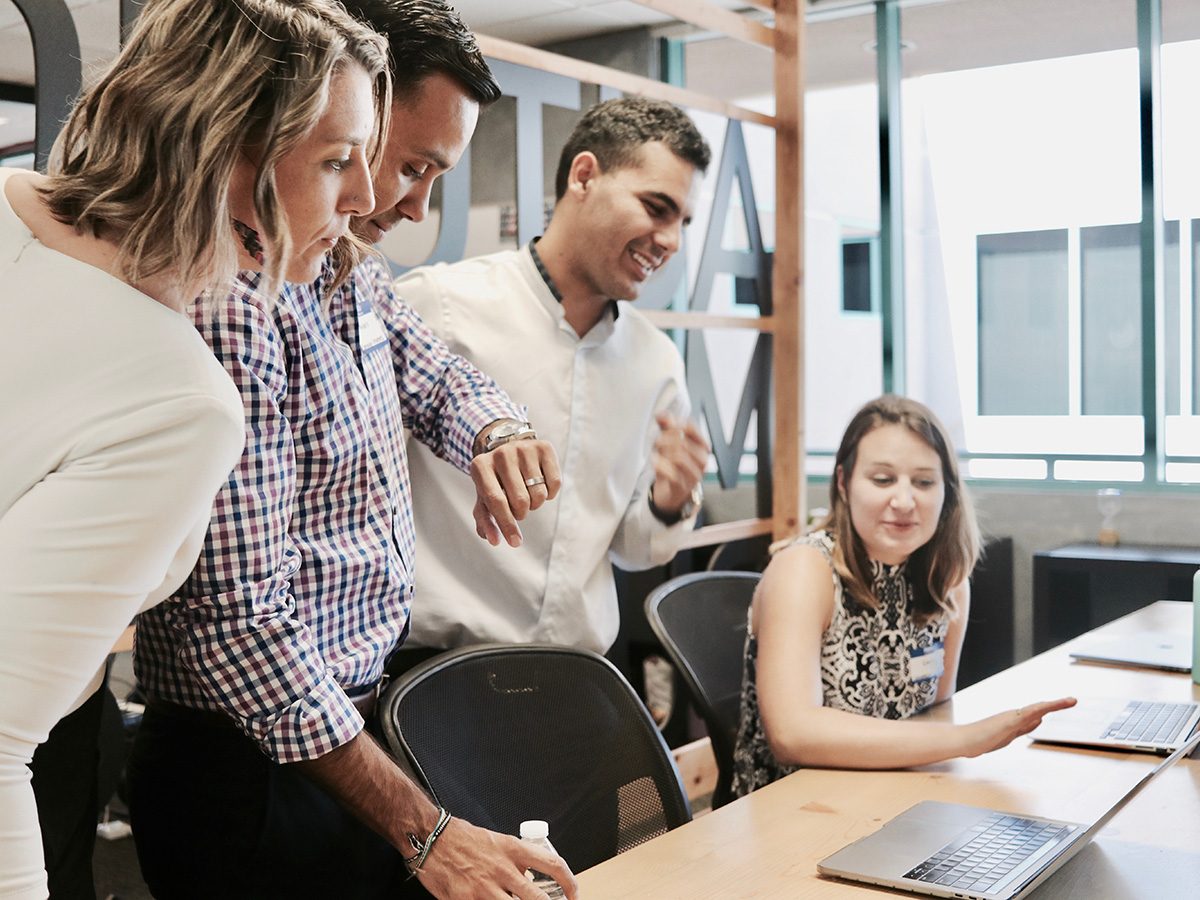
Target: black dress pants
x,y
213,817
64,785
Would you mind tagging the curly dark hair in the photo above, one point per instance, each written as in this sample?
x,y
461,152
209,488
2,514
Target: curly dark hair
x,y
427,36
615,129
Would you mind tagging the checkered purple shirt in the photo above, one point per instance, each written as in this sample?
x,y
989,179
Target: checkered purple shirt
x,y
305,581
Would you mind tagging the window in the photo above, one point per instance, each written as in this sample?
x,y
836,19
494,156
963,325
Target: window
x,y
1181,204
860,275
1023,324
841,199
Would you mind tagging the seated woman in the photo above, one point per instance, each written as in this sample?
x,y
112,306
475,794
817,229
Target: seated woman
x,y
225,135
859,625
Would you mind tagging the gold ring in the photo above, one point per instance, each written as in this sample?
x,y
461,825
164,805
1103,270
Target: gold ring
x,y
530,482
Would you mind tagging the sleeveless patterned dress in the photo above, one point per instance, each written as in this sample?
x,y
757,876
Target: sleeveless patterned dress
x,y
865,657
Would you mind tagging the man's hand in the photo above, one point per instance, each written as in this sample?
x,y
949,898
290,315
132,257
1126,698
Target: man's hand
x,y
680,455
510,481
470,863
465,861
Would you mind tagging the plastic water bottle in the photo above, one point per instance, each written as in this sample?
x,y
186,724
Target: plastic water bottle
x,y
537,832
1196,628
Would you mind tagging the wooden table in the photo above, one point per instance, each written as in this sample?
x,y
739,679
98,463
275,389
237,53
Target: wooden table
x,y
768,844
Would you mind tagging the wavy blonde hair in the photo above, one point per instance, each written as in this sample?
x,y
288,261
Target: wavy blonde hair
x,y
147,154
949,557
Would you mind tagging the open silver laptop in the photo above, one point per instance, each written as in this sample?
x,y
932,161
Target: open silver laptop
x,y
1148,650
951,850
1147,726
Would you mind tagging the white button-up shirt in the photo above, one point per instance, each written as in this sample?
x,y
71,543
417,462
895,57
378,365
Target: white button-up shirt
x,y
595,399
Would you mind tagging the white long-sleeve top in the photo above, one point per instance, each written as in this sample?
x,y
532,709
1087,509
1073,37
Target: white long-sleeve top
x,y
595,399
117,427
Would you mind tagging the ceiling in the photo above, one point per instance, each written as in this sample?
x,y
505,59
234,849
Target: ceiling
x,y
939,36
944,35
526,21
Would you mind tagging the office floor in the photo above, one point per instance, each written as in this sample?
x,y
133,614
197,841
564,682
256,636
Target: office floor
x,y
116,873
114,863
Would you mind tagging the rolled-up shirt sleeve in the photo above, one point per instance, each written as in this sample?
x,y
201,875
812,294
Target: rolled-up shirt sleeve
x,y
234,625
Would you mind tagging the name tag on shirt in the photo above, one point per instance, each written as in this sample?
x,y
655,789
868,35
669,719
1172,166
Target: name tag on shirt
x,y
371,333
925,663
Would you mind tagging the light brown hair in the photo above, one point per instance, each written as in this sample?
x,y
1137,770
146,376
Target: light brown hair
x,y
949,556
147,154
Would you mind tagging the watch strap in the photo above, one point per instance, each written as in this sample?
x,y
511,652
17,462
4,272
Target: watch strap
x,y
523,431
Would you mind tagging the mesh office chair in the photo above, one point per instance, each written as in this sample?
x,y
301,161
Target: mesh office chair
x,y
701,621
501,733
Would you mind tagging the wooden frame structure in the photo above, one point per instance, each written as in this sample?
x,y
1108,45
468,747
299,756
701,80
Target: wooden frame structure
x,y
785,324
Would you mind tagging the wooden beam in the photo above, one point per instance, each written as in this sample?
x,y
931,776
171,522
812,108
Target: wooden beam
x,y
714,18
788,497
669,318
764,5
725,532
520,55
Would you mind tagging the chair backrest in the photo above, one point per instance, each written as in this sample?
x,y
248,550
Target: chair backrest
x,y
701,621
502,733
744,555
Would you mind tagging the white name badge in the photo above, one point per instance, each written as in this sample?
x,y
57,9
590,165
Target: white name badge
x,y
371,333
925,663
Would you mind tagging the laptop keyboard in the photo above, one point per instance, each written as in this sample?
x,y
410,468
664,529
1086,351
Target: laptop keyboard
x,y
1153,723
982,856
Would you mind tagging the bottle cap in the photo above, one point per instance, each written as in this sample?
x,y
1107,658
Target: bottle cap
x,y
534,830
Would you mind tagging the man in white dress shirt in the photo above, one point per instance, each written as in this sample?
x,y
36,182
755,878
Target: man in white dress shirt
x,y
605,387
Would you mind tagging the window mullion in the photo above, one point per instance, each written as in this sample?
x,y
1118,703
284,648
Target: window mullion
x,y
1186,319
1074,323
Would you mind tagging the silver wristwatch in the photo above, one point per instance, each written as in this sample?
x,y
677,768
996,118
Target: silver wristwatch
x,y
507,432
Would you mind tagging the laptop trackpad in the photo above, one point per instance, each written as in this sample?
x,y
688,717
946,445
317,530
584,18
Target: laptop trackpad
x,y
909,839
1088,721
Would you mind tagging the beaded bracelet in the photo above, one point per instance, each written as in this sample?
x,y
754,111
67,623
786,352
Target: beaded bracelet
x,y
414,863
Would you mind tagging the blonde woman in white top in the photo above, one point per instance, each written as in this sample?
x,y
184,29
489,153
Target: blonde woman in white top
x,y
227,134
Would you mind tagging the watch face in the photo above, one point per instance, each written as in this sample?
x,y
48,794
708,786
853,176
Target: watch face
x,y
690,504
508,429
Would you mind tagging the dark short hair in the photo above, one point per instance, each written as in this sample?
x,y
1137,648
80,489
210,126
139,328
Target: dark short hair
x,y
424,37
615,129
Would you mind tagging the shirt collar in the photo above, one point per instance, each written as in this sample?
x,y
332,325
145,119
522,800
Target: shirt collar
x,y
557,294
888,571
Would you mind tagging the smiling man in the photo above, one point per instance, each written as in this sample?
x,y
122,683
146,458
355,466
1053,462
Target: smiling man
x,y
255,774
604,385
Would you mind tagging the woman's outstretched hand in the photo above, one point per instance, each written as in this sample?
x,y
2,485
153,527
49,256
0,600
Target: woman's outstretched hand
x,y
1000,730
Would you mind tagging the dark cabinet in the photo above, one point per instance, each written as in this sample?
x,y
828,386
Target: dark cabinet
x,y
988,646
1081,586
